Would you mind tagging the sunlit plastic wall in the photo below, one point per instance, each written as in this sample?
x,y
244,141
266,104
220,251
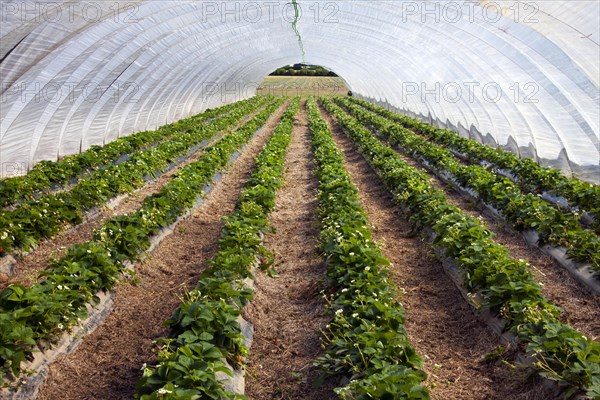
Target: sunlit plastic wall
x,y
519,74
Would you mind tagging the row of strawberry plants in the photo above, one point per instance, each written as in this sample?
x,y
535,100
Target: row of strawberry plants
x,y
523,210
366,340
503,285
47,175
205,335
34,316
530,175
44,217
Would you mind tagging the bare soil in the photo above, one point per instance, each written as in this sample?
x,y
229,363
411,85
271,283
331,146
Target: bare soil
x,y
440,324
581,309
287,311
107,364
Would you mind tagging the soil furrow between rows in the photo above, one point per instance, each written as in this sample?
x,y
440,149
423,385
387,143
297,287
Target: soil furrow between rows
x,y
581,309
440,323
287,311
107,364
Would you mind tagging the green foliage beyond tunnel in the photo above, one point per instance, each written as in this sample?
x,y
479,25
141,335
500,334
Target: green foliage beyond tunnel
x,y
302,70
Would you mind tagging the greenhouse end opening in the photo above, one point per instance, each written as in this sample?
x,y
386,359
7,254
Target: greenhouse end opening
x,y
301,79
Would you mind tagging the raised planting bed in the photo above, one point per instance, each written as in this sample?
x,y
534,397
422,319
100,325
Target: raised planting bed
x,y
500,284
366,341
204,354
571,194
33,318
24,226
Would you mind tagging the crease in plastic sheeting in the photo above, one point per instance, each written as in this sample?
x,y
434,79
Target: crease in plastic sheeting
x,y
295,28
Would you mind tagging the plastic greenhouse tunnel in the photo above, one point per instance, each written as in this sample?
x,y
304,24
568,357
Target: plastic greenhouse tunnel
x,y
354,199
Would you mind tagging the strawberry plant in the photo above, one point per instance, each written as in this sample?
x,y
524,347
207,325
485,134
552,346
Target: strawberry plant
x,y
523,210
47,215
206,320
504,285
530,175
42,311
366,340
49,175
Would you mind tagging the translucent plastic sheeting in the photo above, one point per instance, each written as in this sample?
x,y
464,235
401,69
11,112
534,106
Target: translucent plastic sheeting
x,y
519,74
